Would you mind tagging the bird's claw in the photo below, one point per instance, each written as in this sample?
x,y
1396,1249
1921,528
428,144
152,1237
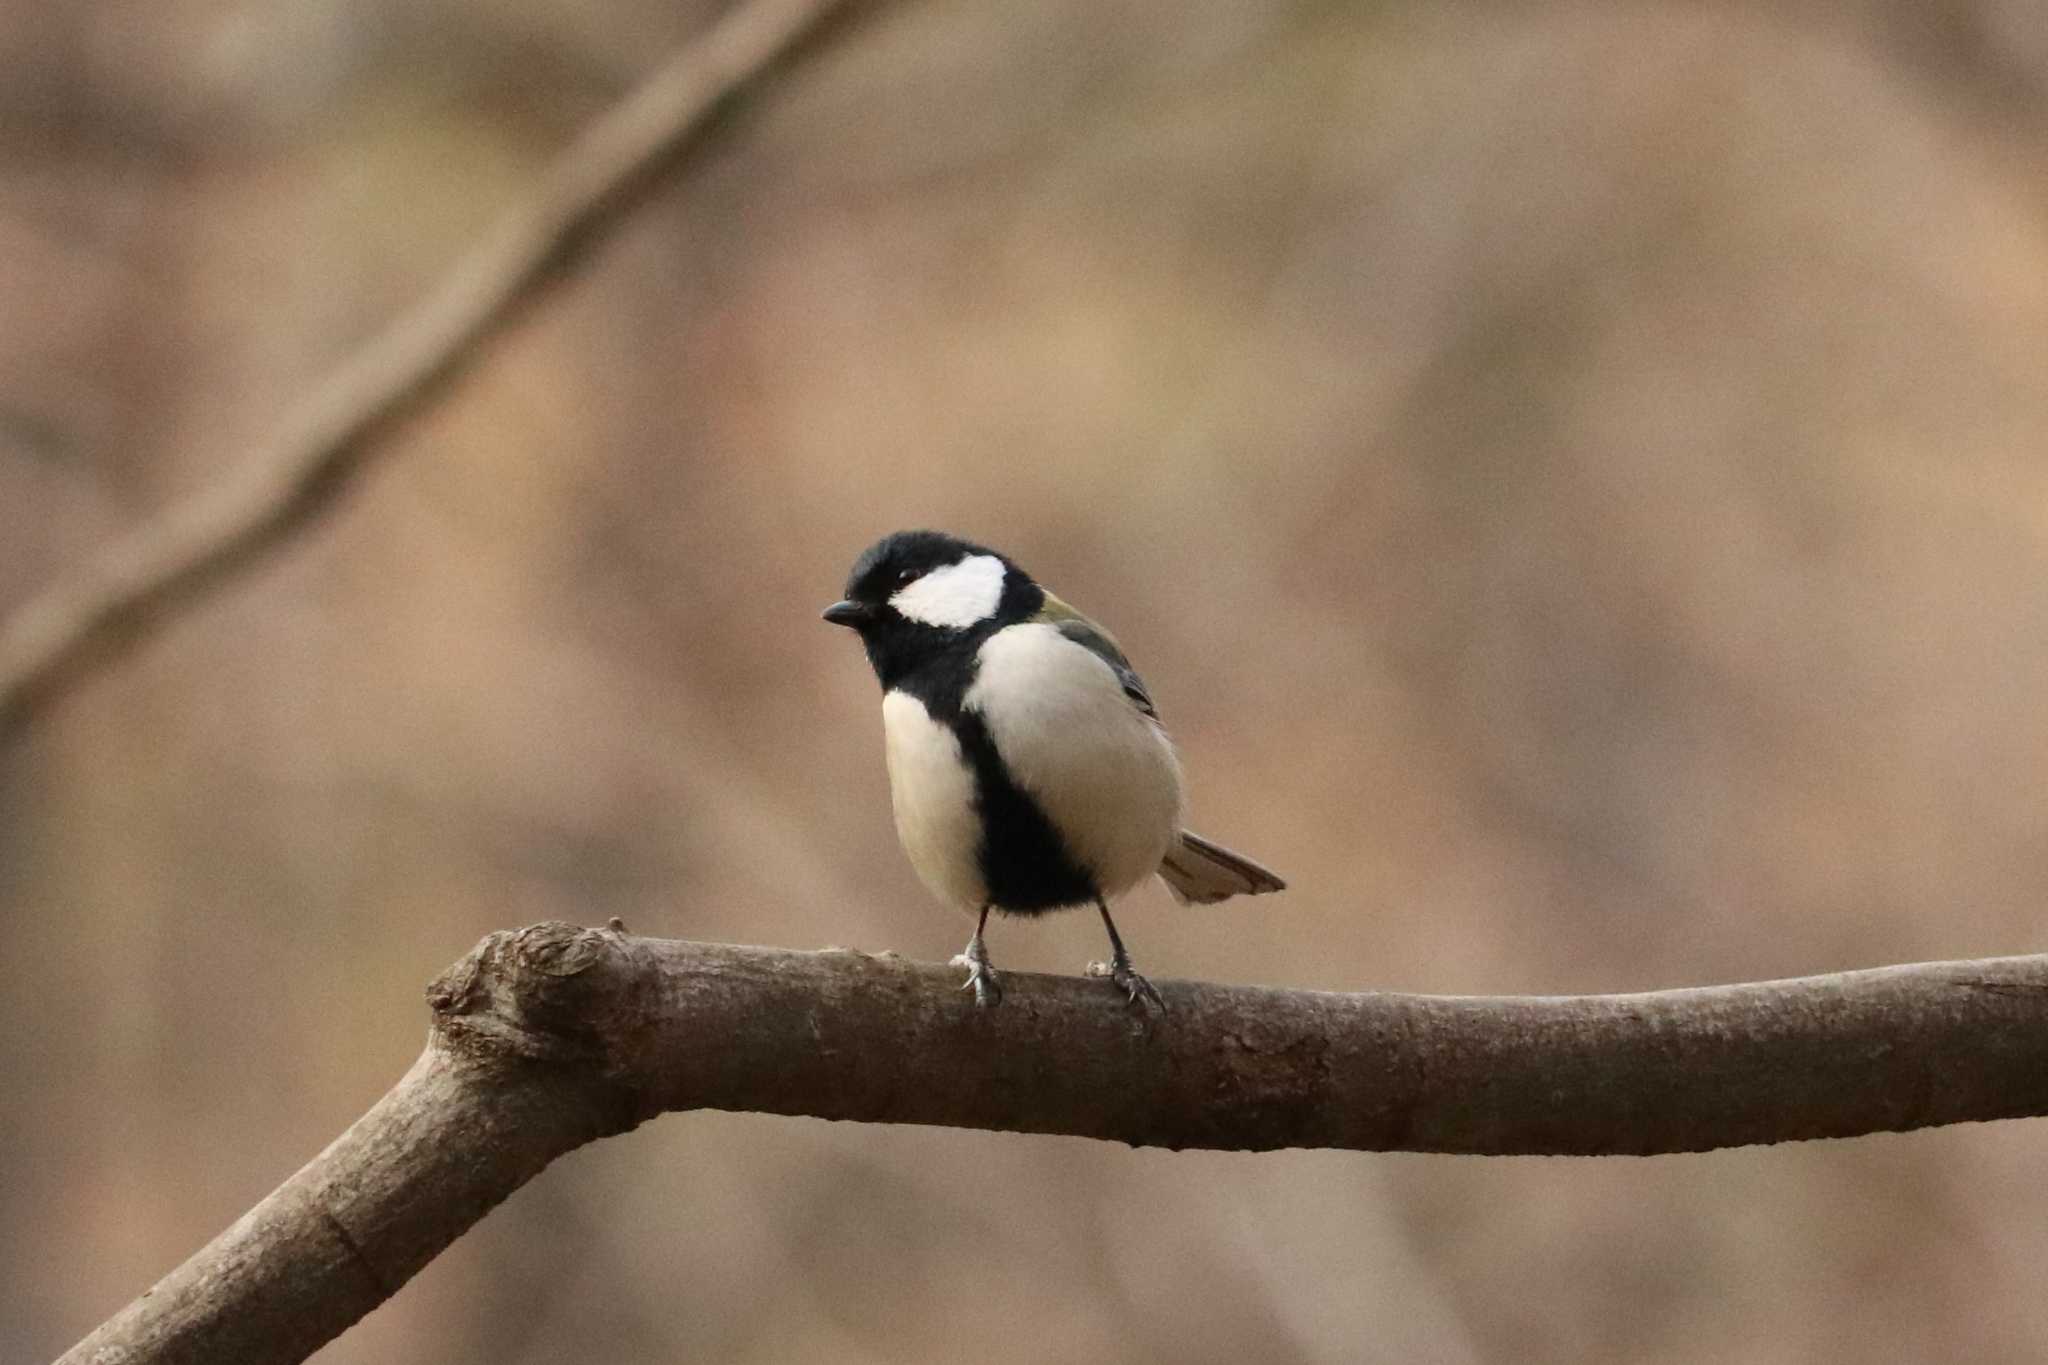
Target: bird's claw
x,y
1136,988
982,979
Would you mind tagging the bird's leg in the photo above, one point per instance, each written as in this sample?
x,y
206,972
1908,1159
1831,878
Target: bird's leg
x,y
987,986
1120,969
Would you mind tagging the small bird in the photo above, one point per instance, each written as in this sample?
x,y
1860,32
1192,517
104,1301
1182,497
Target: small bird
x,y
1028,768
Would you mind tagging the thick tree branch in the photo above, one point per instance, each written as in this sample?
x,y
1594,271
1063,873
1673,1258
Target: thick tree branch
x,y
552,1036
140,580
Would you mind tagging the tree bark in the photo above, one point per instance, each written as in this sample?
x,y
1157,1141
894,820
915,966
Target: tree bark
x,y
552,1036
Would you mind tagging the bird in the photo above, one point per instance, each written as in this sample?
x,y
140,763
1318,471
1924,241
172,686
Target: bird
x,y
1028,767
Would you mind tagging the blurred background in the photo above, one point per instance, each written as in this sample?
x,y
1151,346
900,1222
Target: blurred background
x,y
1573,476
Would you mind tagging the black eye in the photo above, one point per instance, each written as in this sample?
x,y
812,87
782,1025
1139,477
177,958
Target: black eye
x,y
905,576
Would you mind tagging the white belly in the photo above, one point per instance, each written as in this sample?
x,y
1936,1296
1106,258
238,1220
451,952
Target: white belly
x,y
1103,771
931,788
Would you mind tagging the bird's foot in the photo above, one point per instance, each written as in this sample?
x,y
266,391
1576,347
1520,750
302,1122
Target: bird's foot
x,y
982,979
1135,987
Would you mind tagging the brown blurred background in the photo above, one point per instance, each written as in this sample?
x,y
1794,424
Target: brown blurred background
x,y
1572,475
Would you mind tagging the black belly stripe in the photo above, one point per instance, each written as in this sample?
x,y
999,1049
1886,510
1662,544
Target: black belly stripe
x,y
1026,865
1025,862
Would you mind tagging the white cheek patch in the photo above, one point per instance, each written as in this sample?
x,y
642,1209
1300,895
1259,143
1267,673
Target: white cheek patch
x,y
956,596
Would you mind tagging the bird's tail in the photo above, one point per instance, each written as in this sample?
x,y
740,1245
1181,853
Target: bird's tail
x,y
1198,872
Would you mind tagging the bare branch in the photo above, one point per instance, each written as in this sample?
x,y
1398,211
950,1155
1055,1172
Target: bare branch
x,y
141,580
549,1037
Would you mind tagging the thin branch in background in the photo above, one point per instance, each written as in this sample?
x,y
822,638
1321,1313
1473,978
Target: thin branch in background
x,y
553,1036
139,582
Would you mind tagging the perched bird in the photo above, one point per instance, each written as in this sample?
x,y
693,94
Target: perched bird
x,y
1027,765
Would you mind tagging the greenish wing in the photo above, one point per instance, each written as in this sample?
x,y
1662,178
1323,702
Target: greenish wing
x,y
1099,642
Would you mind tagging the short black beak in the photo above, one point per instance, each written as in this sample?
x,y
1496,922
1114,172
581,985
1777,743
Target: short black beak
x,y
847,614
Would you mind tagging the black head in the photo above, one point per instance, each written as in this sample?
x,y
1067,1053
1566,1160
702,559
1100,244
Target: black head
x,y
917,594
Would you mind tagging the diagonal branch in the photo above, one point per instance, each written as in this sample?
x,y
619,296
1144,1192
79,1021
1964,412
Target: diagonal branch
x,y
141,580
553,1036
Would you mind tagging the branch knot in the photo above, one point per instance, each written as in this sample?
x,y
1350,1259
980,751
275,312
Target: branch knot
x,y
528,993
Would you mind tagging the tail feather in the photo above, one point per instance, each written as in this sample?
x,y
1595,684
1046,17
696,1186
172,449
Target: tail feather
x,y
1198,872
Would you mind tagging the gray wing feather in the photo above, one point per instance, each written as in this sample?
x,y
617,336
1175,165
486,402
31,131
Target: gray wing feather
x,y
1102,645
